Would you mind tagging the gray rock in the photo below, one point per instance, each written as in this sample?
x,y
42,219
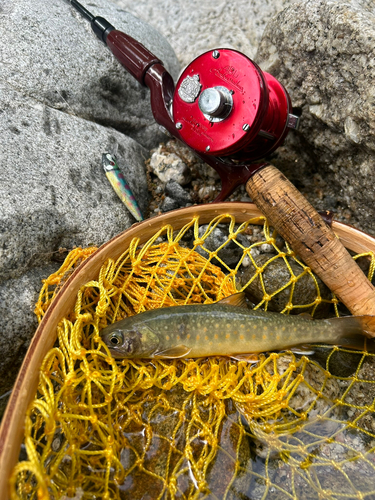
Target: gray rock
x,y
323,52
275,276
178,193
52,55
169,204
54,192
18,321
194,27
230,254
169,167
64,100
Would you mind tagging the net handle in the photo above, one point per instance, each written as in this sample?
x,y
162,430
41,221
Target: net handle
x,y
288,211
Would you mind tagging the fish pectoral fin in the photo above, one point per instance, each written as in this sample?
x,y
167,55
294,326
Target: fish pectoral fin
x,y
251,358
177,351
237,300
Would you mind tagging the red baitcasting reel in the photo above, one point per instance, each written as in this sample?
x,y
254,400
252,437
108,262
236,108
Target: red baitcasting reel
x,y
231,114
224,105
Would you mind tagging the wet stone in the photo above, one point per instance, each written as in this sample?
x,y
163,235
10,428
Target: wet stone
x,y
164,460
275,276
231,253
177,193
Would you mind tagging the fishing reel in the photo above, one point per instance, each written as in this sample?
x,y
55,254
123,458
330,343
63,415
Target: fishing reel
x,y
224,107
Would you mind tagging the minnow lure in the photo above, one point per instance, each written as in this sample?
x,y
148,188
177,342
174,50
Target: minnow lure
x,y
119,184
220,329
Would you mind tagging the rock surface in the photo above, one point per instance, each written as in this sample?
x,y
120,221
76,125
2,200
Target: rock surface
x,y
230,254
18,322
64,100
274,277
323,52
56,58
59,196
194,27
54,193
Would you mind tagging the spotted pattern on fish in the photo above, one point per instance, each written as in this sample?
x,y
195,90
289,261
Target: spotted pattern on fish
x,y
220,329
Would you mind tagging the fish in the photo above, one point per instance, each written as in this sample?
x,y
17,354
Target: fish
x,y
225,328
120,186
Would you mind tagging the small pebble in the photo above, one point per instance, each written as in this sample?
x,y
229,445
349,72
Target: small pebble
x,y
177,193
168,166
169,204
246,261
266,248
206,191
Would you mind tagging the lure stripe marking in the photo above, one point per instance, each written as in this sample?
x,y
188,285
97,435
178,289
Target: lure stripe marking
x,y
120,186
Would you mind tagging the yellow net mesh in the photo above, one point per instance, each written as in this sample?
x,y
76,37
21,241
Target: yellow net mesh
x,y
288,427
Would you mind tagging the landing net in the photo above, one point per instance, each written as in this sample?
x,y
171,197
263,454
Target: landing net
x,y
289,427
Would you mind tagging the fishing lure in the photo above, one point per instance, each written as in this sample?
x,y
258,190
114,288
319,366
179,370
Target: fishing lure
x,y
119,184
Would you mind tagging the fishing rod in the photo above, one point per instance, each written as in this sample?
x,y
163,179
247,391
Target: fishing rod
x,y
225,108
232,115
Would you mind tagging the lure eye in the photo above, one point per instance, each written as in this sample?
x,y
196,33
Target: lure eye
x,y
116,338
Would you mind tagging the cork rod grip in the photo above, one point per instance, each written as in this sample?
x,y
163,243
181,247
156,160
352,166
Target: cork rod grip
x,y
288,211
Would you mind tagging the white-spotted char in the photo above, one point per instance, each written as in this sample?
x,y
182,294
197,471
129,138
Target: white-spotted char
x,y
222,329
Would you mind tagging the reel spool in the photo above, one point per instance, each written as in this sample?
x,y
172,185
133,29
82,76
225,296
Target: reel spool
x,y
225,105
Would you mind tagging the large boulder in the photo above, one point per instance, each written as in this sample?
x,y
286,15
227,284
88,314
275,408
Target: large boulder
x,y
324,53
54,193
64,100
194,27
50,52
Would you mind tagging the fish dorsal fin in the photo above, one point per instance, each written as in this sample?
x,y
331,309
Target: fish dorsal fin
x,y
237,299
305,315
177,351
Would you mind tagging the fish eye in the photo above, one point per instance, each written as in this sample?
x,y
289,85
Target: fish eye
x,y
116,338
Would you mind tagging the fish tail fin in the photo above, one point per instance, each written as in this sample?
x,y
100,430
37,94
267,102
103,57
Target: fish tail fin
x,y
355,332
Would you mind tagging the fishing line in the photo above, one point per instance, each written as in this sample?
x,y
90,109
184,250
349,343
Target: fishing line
x,y
6,394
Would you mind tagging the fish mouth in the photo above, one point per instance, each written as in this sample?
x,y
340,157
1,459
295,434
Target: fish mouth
x,y
116,355
105,348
